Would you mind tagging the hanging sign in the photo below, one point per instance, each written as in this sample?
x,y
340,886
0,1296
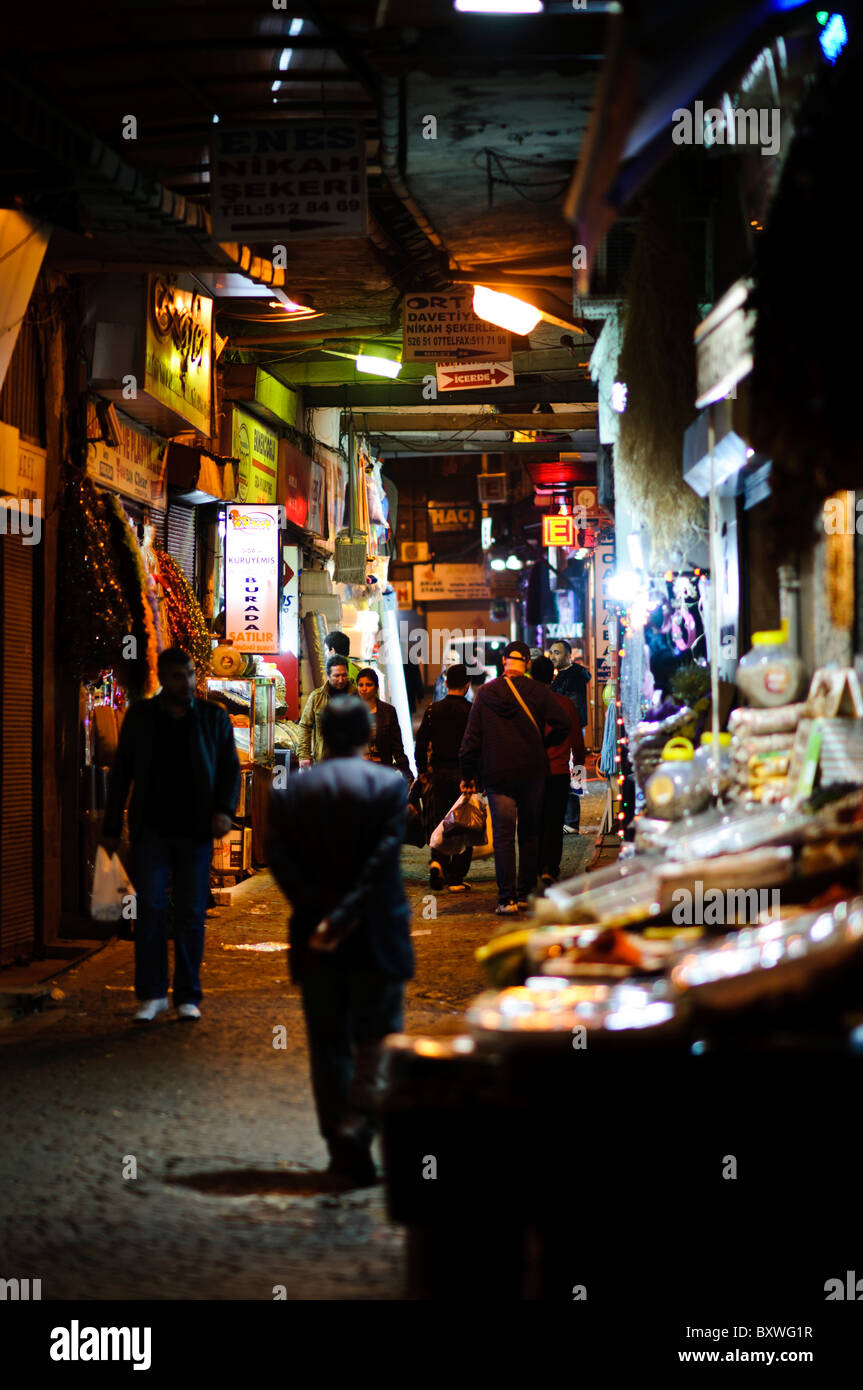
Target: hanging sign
x,y
468,376
723,345
558,530
179,356
135,467
289,627
252,578
257,448
294,179
449,581
452,516
605,612
444,328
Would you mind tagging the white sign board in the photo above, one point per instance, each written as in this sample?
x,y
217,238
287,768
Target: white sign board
x,y
289,627
723,345
288,180
252,578
449,582
470,376
444,328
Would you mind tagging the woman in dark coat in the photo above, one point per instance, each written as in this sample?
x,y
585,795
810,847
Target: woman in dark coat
x,y
386,745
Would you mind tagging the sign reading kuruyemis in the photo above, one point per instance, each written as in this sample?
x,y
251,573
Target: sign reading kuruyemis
x,y
288,179
179,363
252,578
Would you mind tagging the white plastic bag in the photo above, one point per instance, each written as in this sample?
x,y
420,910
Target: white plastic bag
x,y
464,823
110,887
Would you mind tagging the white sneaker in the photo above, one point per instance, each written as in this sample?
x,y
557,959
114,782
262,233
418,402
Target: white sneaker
x,y
189,1011
149,1009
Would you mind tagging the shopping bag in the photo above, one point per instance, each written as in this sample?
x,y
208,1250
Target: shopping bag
x,y
464,824
483,851
111,887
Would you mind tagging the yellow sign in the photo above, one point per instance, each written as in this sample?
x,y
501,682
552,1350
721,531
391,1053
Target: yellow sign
x,y
257,448
135,467
22,467
449,581
179,365
558,530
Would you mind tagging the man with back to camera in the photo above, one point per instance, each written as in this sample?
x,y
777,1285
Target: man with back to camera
x,y
178,755
335,842
338,682
436,748
504,747
571,679
557,784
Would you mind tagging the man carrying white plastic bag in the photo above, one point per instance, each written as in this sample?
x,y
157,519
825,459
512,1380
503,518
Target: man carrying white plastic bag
x,y
113,896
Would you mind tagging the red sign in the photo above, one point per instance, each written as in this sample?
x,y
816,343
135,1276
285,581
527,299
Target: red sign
x,y
558,530
469,376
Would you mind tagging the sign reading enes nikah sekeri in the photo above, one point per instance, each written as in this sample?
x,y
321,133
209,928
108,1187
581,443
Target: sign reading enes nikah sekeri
x,y
252,578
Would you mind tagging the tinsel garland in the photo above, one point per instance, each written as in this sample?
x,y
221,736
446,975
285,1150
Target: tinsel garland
x,y
137,589
94,614
184,615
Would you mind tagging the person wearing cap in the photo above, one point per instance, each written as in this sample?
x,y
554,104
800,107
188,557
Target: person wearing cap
x,y
512,721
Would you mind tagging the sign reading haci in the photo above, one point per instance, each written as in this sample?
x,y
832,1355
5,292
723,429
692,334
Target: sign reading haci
x,y
252,578
294,179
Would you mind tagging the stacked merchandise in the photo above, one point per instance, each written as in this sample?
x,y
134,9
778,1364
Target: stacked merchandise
x,y
762,741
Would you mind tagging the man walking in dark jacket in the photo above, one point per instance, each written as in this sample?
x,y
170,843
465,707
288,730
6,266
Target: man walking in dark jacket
x,y
336,834
437,745
504,745
178,755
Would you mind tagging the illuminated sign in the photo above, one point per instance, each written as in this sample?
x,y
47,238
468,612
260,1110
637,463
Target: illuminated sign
x,y
558,530
135,466
257,448
485,536
179,361
252,578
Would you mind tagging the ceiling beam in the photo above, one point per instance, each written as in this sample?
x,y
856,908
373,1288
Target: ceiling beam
x,y
379,422
396,393
389,446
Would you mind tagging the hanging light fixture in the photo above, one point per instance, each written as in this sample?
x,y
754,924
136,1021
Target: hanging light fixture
x,y
499,6
505,311
380,360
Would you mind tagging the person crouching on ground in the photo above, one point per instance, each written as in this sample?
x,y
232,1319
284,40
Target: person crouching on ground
x,y
335,842
178,755
438,740
557,783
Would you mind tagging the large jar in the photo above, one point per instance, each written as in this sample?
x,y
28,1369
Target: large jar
x,y
704,759
771,673
678,787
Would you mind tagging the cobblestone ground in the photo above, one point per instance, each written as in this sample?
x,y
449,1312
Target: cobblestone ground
x,y
229,1199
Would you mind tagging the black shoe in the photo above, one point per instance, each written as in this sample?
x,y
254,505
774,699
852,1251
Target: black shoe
x,y
436,880
548,879
352,1158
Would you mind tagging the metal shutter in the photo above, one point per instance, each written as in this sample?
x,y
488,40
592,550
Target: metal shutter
x,y
17,877
180,539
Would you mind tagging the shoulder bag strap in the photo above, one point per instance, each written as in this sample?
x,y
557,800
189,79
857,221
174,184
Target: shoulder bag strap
x,y
523,705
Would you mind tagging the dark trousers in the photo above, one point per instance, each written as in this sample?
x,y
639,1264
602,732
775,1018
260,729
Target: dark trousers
x,y
515,810
348,1014
445,792
154,858
554,806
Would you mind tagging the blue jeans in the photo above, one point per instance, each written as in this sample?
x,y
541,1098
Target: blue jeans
x,y
515,808
154,857
348,1014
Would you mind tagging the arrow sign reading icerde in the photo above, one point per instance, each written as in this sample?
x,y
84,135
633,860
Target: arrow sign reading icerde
x,y
472,376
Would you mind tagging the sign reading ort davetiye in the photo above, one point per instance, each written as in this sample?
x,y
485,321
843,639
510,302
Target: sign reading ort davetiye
x,y
288,179
252,578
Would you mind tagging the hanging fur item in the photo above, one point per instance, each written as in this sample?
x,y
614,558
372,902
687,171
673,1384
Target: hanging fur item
x,y
657,365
